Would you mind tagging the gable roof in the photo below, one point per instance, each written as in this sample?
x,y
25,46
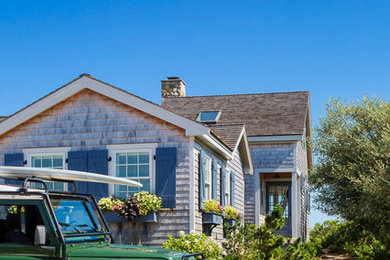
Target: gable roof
x,y
229,133
86,81
264,114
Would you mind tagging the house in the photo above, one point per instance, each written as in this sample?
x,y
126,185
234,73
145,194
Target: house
x,y
92,126
276,126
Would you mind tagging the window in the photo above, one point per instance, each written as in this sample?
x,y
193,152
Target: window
x,y
227,188
134,163
53,158
208,178
208,116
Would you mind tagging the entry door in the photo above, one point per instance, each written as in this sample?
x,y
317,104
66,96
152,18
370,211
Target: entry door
x,y
279,193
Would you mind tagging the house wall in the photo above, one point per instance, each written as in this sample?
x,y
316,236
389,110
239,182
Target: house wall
x,y
235,166
88,121
266,157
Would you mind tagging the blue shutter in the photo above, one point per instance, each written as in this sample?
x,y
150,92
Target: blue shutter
x,y
166,176
202,192
77,161
98,163
232,184
223,186
215,181
13,159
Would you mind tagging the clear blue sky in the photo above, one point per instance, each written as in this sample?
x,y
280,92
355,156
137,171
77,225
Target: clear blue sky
x,y
339,48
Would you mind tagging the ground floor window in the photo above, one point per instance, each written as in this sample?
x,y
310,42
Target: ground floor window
x,y
279,194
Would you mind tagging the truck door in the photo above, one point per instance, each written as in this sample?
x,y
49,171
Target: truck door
x,y
18,222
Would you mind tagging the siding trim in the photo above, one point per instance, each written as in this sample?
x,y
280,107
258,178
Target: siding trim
x,y
192,150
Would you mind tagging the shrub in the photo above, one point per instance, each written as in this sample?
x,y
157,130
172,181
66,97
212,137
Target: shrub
x,y
299,250
212,206
232,213
147,202
110,204
130,209
194,243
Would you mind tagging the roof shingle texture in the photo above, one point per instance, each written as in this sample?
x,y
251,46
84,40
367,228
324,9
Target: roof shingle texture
x,y
264,114
229,133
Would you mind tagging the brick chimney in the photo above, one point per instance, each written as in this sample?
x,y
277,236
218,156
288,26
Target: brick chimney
x,y
173,87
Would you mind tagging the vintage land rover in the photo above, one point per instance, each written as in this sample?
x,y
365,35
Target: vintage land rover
x,y
36,223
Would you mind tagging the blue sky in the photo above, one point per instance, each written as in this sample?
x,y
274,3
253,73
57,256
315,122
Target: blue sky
x,y
338,48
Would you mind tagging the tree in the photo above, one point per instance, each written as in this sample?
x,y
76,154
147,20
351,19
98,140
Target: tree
x,y
352,173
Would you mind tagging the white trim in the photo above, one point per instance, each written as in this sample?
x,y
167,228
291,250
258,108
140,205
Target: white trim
x,y
266,170
86,82
221,149
117,148
192,183
248,151
257,198
275,138
294,205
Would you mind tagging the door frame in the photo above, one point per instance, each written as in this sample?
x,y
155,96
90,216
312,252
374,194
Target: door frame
x,y
278,183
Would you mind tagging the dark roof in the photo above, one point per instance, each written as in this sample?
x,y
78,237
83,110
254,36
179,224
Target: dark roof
x,y
229,133
2,118
264,114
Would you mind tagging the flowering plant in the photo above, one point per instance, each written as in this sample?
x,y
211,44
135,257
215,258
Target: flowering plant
x,y
212,206
232,213
110,204
147,202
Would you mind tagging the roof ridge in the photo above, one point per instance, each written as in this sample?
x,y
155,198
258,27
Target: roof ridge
x,y
227,124
243,94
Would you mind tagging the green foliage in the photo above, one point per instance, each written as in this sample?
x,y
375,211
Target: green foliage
x,y
232,213
194,243
213,206
352,175
110,204
147,202
130,209
300,251
348,237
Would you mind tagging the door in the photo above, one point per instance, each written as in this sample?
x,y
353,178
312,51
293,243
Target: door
x,y
279,193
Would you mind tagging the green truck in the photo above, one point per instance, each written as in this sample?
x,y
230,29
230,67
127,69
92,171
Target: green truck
x,y
39,224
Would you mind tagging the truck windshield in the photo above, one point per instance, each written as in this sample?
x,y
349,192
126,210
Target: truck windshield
x,y
75,216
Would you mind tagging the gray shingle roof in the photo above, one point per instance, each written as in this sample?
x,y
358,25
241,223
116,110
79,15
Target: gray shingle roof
x,y
229,133
264,114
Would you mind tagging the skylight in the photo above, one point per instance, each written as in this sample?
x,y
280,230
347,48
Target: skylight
x,y
208,116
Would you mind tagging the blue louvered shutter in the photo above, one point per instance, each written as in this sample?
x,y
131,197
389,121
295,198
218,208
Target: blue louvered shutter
x,y
232,188
98,163
202,191
215,181
77,161
223,186
166,176
13,159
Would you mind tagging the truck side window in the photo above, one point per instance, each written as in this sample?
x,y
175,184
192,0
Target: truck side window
x,y
18,222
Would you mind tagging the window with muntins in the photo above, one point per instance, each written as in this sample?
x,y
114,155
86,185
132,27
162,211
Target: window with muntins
x,y
134,165
208,178
52,161
227,188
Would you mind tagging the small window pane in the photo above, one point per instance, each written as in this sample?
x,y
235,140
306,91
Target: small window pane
x,y
58,186
121,158
132,158
121,171
36,162
46,162
57,161
146,185
144,170
132,171
144,157
122,188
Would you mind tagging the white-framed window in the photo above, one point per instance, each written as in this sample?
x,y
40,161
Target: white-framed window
x,y
227,187
134,162
208,171
53,158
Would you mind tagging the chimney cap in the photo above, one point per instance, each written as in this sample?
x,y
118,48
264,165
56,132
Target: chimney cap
x,y
173,77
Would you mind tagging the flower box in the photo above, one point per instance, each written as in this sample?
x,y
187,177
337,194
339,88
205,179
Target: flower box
x,y
151,217
113,217
231,222
212,218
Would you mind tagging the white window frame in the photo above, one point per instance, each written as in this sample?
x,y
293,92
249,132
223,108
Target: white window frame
x,y
52,151
208,178
227,187
126,148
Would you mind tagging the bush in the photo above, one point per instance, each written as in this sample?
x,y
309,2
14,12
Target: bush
x,y
212,206
299,250
194,243
147,202
110,204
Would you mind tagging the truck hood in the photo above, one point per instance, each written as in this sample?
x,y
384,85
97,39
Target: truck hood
x,y
115,251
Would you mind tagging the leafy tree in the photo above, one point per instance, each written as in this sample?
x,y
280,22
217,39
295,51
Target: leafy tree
x,y
352,174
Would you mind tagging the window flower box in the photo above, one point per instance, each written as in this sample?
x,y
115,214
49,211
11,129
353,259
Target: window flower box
x,y
212,218
113,217
231,222
151,217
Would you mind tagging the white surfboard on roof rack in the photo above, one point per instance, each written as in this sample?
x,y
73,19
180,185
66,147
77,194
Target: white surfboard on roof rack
x,y
11,172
